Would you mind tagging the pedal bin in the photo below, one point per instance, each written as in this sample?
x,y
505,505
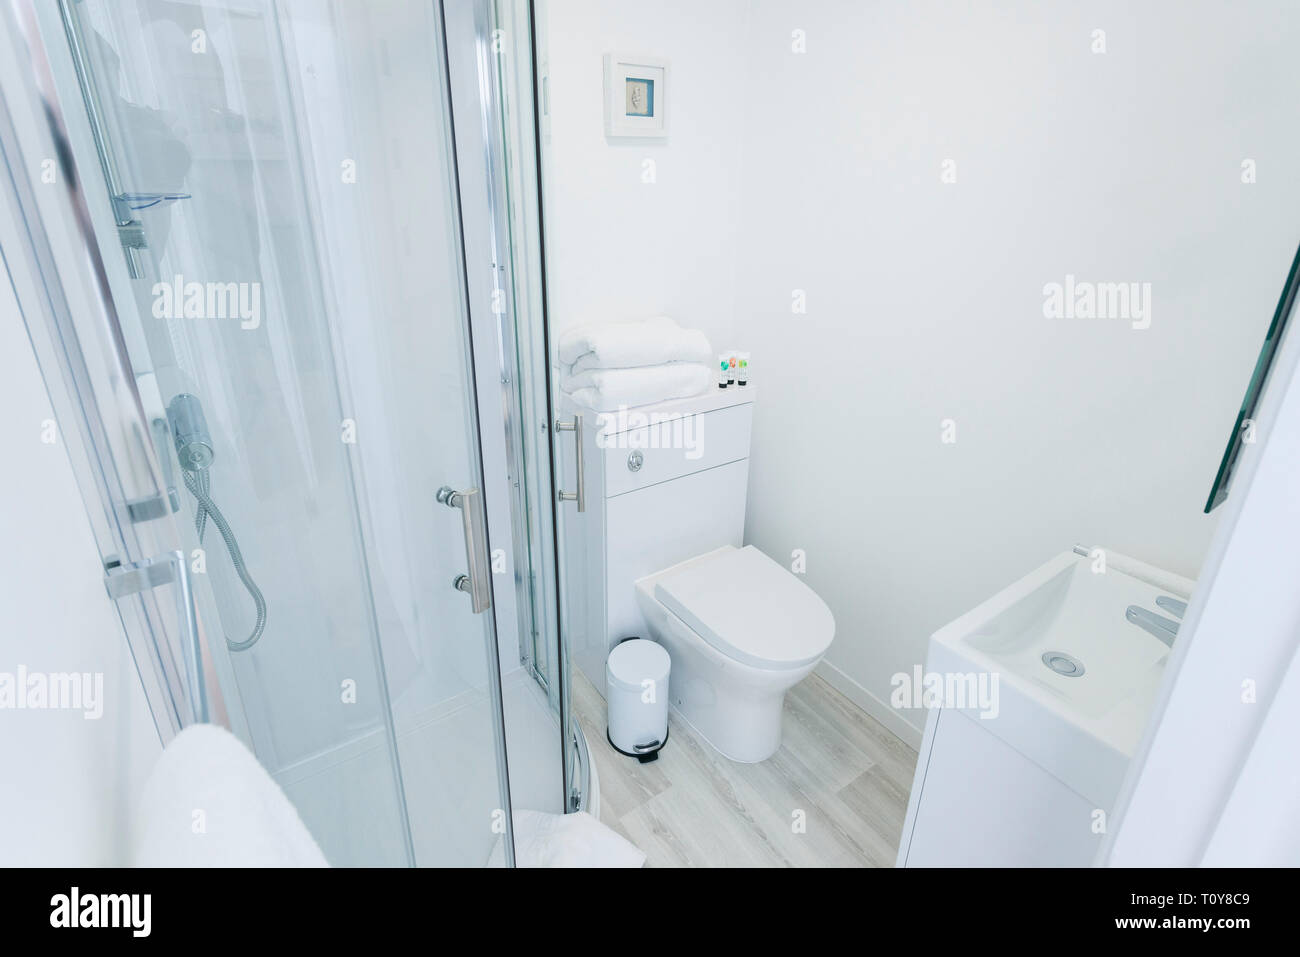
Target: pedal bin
x,y
636,695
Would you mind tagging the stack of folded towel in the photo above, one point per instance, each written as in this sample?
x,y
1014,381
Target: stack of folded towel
x,y
607,365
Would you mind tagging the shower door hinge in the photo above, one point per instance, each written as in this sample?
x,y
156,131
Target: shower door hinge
x,y
121,581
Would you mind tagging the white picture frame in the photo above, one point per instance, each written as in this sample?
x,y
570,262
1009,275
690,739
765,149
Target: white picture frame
x,y
636,96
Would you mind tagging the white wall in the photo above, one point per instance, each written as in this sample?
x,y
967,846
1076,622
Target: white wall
x,y
620,247
925,299
69,781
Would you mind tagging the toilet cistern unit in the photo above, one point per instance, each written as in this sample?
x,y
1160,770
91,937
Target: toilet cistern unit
x,y
661,555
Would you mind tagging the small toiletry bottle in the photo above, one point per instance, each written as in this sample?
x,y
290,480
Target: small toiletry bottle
x,y
742,368
731,367
724,371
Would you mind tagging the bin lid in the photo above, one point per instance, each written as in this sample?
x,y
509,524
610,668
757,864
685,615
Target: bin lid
x,y
636,660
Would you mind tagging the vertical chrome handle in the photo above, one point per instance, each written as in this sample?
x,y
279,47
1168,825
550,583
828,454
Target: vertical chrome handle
x,y
580,496
171,568
476,583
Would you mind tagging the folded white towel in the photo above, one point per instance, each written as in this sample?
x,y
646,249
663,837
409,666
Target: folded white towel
x,y
587,363
209,803
635,342
606,390
566,840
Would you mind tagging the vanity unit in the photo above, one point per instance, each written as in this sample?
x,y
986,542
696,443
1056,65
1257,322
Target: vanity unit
x,y
1027,775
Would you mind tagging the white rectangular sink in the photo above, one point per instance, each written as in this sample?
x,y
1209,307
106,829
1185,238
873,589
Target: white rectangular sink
x,y
1084,728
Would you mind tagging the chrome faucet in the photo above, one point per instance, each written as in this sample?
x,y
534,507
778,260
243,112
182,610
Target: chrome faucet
x,y
1166,629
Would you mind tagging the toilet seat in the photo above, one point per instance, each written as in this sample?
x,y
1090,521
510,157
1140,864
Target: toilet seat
x,y
749,608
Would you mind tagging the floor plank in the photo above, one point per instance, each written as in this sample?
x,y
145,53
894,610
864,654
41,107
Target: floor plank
x,y
834,795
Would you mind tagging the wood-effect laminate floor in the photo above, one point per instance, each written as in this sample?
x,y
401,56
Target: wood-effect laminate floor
x,y
834,795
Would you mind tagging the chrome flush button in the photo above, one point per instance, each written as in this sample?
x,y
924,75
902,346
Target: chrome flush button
x,y
635,460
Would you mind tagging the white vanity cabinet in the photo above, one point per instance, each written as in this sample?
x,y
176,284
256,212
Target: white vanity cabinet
x,y
1046,690
978,802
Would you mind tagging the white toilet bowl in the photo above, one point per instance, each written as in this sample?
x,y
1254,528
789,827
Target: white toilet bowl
x,y
741,631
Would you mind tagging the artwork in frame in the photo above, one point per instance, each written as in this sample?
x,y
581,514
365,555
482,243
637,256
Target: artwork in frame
x,y
636,96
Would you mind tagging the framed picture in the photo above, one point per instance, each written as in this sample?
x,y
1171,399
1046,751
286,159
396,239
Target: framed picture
x,y
636,95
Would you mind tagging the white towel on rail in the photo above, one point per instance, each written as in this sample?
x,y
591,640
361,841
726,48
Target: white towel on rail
x,y
632,342
209,803
606,390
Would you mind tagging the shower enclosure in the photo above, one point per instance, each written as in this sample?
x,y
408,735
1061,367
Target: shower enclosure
x,y
281,264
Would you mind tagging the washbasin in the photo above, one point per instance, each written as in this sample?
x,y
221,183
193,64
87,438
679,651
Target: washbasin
x,y
1069,637
1075,678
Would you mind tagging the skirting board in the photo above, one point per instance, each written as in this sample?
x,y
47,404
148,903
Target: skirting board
x,y
893,721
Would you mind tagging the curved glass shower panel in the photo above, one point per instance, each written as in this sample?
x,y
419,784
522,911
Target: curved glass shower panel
x,y
385,194
282,180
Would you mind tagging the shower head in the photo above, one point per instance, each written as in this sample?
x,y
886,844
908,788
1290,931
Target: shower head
x,y
190,432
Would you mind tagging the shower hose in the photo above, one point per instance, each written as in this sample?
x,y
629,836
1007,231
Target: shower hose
x,y
199,484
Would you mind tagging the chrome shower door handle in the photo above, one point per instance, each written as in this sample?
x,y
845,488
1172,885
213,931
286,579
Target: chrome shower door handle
x,y
476,582
171,568
580,496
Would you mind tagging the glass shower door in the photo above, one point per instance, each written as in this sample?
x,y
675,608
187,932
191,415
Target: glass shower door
x,y
273,196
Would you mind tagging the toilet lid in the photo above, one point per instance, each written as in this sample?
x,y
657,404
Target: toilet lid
x,y
750,608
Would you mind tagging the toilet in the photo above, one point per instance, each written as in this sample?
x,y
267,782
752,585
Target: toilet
x,y
741,631
659,553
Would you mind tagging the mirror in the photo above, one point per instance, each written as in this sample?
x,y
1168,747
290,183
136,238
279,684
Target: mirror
x,y
1243,428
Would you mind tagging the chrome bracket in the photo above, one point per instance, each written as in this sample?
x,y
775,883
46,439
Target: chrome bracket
x,y
132,235
158,505
153,506
122,581
134,578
